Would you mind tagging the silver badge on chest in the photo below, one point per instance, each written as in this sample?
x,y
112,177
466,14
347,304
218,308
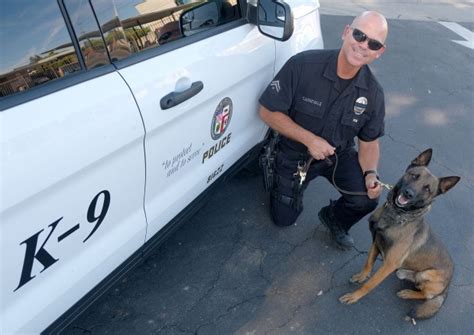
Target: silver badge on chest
x,y
360,105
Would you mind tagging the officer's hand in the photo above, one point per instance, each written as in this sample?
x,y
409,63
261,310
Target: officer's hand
x,y
319,148
374,189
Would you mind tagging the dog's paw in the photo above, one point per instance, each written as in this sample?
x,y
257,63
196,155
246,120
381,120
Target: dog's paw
x,y
349,298
359,277
405,294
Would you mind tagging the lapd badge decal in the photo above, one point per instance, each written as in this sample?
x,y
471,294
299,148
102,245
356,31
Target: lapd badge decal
x,y
360,105
221,118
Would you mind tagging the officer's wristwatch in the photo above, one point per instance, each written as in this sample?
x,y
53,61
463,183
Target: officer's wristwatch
x,y
366,173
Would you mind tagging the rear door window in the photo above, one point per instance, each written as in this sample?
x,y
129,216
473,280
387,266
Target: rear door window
x,y
34,51
86,29
131,26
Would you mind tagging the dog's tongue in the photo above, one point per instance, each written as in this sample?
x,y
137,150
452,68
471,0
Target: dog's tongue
x,y
402,200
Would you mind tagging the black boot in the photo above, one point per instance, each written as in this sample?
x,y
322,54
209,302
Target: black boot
x,y
338,234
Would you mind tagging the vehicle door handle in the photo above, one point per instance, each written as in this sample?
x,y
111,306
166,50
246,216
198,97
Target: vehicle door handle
x,y
175,98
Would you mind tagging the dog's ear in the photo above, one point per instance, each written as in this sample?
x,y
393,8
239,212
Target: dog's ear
x,y
423,159
446,183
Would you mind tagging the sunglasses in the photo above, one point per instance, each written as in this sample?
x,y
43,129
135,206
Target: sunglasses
x,y
359,36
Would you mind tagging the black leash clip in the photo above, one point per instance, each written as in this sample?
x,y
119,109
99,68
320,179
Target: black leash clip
x,y
387,186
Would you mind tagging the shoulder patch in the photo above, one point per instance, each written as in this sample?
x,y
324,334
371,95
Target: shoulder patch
x,y
275,85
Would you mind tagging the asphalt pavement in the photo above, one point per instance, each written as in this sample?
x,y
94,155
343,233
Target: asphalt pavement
x,y
230,271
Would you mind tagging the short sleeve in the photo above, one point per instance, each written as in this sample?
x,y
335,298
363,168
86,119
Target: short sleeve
x,y
375,126
279,94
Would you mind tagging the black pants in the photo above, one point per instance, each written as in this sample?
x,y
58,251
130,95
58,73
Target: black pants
x,y
348,209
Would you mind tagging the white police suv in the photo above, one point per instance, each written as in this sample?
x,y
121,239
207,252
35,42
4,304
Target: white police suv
x,y
116,117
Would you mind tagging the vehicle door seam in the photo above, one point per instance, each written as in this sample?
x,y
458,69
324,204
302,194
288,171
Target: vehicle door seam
x,y
144,153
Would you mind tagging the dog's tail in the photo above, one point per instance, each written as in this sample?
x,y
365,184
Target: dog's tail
x,y
429,307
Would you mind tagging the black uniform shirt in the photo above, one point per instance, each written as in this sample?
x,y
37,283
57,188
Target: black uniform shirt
x,y
308,90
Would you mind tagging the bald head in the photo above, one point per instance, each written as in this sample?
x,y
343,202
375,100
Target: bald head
x,y
375,20
356,51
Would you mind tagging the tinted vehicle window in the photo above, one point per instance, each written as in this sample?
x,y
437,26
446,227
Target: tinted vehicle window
x,y
130,26
36,46
87,32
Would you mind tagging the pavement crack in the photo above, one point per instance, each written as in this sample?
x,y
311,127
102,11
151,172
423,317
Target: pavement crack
x,y
263,254
262,271
469,181
464,267
316,297
359,251
401,142
283,325
298,245
459,90
332,285
228,311
462,285
174,327
295,311
236,238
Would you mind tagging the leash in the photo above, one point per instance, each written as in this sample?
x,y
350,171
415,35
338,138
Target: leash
x,y
302,171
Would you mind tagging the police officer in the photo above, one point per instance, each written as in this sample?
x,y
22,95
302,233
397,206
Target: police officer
x,y
318,103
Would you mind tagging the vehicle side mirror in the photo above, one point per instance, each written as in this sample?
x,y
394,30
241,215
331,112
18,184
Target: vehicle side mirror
x,y
199,18
274,19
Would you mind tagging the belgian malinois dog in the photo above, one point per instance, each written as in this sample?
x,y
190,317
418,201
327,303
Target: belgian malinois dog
x,y
405,241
